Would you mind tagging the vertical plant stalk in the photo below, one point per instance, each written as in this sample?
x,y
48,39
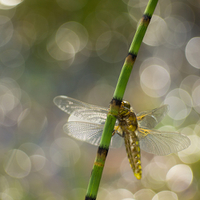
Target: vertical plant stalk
x,y
102,152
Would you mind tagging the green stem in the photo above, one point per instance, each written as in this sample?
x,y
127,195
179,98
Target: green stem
x,y
116,102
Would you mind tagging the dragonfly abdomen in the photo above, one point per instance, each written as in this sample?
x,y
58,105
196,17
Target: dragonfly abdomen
x,y
133,151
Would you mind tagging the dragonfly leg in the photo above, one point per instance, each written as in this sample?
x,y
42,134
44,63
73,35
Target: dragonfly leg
x,y
115,130
118,130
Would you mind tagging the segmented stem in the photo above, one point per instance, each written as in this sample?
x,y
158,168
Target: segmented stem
x,y
116,102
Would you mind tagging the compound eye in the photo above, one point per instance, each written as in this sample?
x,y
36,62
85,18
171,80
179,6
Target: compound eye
x,y
126,104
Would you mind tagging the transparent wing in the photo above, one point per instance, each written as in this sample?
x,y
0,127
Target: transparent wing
x,y
89,115
90,132
161,143
150,119
69,105
86,121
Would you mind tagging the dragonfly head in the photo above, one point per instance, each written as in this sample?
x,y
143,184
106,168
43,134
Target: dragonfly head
x,y
126,105
125,108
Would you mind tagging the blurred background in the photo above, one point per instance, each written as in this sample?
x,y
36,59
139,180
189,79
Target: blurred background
x,y
77,48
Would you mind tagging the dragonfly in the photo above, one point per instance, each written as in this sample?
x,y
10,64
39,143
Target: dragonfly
x,y
86,123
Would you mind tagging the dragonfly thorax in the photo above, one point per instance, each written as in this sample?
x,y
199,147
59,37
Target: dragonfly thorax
x,y
127,118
